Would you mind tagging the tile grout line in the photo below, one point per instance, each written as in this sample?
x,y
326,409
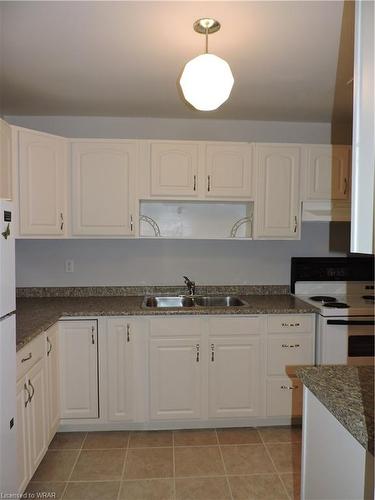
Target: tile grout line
x,y
224,467
274,465
74,465
174,467
123,468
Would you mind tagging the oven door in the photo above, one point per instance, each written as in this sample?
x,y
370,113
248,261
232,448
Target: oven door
x,y
354,338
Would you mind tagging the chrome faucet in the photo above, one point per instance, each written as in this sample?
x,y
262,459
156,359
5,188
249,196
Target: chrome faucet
x,y
190,285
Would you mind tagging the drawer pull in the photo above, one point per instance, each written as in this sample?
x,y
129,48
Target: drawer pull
x,y
291,324
29,356
291,345
289,387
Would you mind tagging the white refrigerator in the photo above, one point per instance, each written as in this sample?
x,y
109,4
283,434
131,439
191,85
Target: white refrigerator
x,y
8,442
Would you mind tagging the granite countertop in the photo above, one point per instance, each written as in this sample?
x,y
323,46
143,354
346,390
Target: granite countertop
x,y
348,393
35,315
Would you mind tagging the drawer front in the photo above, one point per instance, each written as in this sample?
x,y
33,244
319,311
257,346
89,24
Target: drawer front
x,y
167,327
236,326
288,351
30,354
280,323
284,397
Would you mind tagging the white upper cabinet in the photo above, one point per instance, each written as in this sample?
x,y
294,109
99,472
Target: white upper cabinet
x,y
5,161
327,172
103,185
42,184
228,171
277,206
174,169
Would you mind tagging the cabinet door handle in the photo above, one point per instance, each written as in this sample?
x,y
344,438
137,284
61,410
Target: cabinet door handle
x,y
61,221
212,353
197,351
32,387
345,185
295,223
127,332
131,223
194,183
6,233
92,335
28,399
208,183
29,356
49,346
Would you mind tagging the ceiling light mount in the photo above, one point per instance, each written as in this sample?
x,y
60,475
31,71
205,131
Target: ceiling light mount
x,y
206,26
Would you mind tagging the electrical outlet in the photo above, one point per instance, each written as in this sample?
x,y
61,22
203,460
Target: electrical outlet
x,y
69,266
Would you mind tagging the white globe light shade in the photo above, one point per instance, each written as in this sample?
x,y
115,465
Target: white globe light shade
x,y
206,82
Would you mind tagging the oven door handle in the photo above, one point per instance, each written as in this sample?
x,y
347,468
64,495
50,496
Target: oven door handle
x,y
350,322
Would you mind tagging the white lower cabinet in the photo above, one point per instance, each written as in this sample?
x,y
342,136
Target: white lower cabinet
x,y
32,426
23,460
284,397
79,369
53,379
175,378
234,376
290,343
120,369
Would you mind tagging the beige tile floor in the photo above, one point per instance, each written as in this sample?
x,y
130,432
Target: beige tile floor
x,y
214,464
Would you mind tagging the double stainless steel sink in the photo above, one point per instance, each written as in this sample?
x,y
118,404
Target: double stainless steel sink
x,y
186,301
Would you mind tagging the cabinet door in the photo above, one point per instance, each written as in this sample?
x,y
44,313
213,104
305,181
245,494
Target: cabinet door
x,y
120,370
37,413
277,207
103,188
53,379
234,377
5,161
229,171
79,369
42,184
175,378
284,397
174,169
23,459
327,173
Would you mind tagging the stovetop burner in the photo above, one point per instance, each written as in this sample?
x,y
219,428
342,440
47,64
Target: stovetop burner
x,y
338,305
371,298
323,298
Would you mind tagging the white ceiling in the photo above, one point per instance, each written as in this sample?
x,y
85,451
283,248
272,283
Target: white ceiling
x,y
124,58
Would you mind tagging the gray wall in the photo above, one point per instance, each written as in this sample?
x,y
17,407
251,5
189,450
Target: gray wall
x,y
163,262
165,128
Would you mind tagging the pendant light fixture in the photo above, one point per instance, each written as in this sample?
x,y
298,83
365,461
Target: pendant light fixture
x,y
207,80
